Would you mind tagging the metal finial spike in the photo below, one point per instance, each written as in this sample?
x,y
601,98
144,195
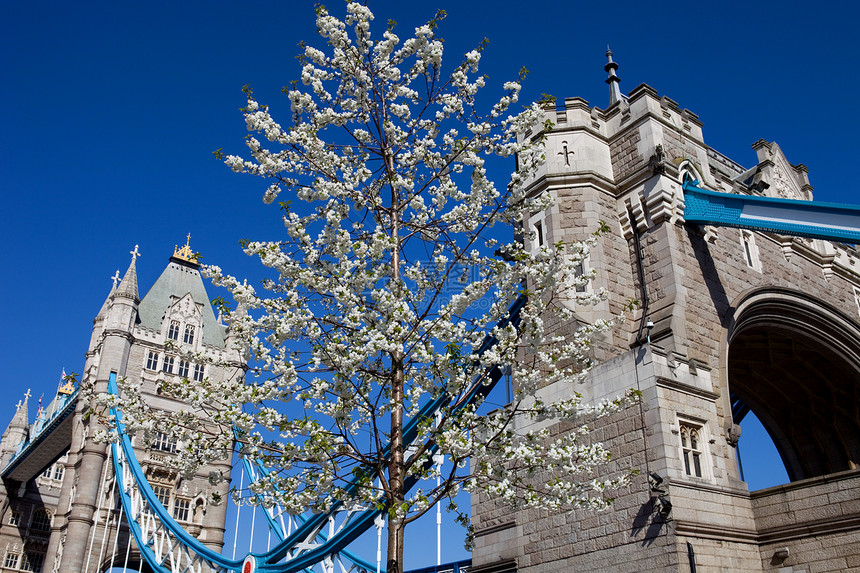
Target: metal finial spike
x,y
613,80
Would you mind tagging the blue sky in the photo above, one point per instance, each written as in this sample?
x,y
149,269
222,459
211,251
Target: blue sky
x,y
111,110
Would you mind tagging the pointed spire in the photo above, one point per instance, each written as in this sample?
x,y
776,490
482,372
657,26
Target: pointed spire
x,y
21,419
613,80
128,286
103,310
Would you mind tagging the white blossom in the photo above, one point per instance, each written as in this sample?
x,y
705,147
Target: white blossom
x,y
384,286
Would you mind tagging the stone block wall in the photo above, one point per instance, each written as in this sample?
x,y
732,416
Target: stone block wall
x,y
816,520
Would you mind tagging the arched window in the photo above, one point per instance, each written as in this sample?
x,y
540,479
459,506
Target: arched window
x,y
181,509
167,366
750,250
189,334
691,450
173,331
183,369
152,360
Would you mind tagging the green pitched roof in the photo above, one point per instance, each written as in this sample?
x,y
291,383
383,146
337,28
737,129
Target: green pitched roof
x,y
178,279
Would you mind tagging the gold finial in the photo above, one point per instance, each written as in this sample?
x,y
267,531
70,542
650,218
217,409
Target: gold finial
x,y
68,387
185,253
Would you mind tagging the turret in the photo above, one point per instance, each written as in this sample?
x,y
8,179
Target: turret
x,y
99,320
17,432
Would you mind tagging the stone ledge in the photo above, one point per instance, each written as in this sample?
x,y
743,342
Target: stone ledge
x,y
495,529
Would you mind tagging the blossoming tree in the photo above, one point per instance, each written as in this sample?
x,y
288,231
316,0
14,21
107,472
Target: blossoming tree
x,y
398,260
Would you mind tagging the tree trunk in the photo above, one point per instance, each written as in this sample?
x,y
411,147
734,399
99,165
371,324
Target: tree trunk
x,y
396,475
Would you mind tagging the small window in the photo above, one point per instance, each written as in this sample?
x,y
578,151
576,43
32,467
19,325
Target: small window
x,y
11,561
173,331
164,443
59,471
168,364
750,250
48,472
181,509
691,449
41,520
33,561
536,232
162,492
152,360
198,373
183,369
581,270
189,334
14,517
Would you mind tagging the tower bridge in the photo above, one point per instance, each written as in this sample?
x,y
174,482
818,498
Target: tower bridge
x,y
750,301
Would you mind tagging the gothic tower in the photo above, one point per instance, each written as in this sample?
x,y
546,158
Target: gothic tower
x,y
730,321
60,512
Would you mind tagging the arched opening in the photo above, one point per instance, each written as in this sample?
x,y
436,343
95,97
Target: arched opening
x,y
795,363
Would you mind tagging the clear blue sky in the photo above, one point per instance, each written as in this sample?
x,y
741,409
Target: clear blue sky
x,y
110,111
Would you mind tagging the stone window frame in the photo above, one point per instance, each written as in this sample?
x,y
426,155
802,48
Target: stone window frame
x,y
54,472
164,443
188,336
173,330
152,360
749,250
15,517
11,560
199,372
584,268
167,365
184,366
536,232
688,454
162,493
182,509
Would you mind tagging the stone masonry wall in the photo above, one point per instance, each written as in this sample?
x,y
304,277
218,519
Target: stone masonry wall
x,y
809,518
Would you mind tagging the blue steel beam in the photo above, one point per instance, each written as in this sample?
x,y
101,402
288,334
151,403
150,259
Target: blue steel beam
x,y
828,221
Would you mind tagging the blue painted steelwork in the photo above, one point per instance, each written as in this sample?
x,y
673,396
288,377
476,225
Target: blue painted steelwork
x,y
828,221
139,501
455,567
44,426
276,527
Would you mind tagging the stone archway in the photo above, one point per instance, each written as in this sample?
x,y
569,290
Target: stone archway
x,y
795,362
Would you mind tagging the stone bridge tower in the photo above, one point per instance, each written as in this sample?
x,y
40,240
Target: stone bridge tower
x,y
730,320
58,511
